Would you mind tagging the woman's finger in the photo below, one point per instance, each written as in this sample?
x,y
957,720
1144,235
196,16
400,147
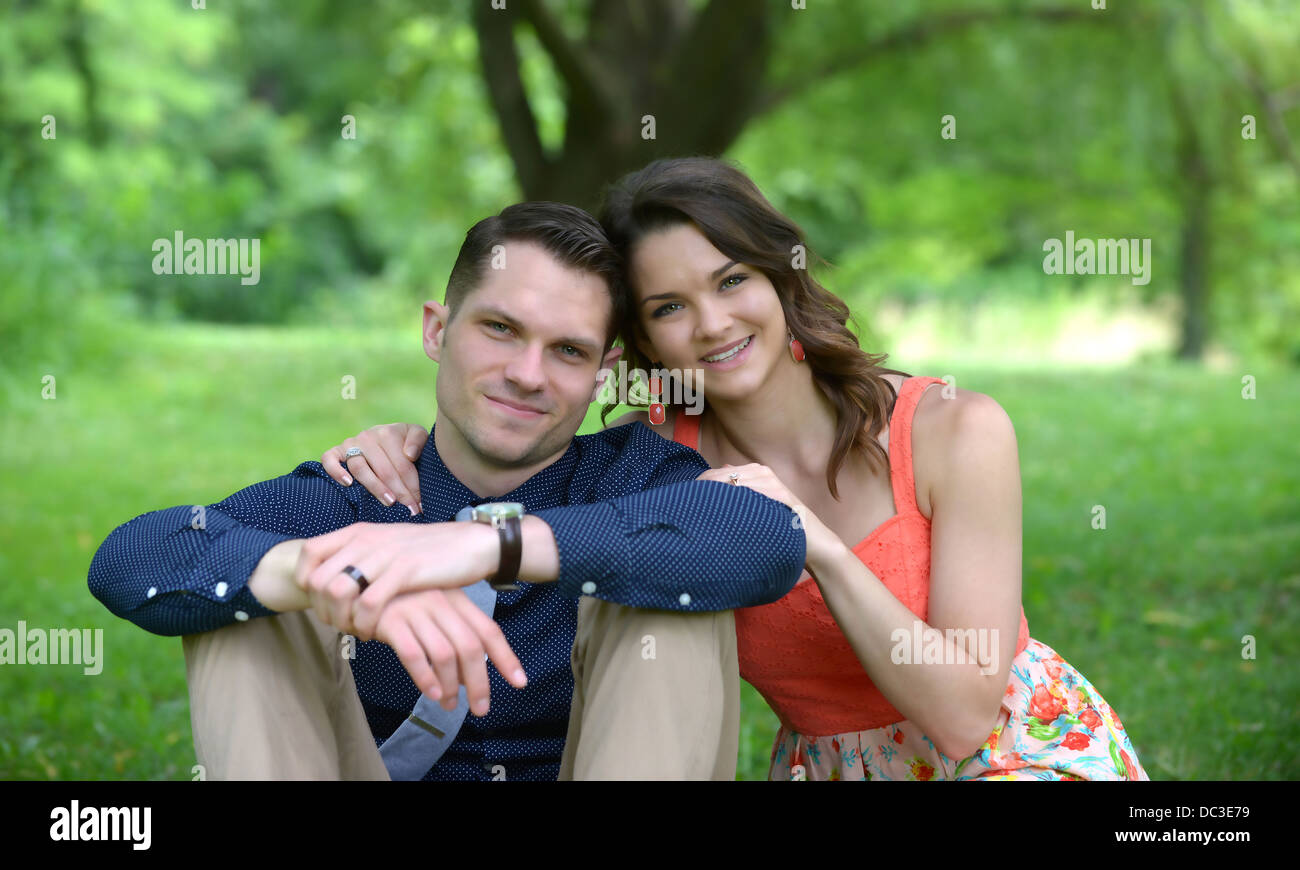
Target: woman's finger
x,y
412,447
416,438
332,460
400,449
361,470
393,487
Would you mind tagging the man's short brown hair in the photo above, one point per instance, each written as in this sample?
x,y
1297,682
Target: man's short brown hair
x,y
566,232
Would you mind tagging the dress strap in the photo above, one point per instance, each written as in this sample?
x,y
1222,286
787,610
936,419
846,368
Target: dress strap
x,y
686,429
901,477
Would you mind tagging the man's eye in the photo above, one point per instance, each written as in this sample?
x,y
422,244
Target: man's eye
x,y
570,350
665,309
493,324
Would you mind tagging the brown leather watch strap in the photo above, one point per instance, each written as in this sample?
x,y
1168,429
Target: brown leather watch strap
x,y
512,551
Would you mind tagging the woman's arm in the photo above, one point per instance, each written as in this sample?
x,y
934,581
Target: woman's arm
x,y
975,574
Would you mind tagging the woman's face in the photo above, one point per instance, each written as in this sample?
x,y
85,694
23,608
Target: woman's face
x,y
697,307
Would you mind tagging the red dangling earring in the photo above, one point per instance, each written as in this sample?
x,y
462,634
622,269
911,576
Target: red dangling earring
x,y
796,349
657,413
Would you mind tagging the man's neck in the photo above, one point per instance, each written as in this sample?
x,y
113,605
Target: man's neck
x,y
482,478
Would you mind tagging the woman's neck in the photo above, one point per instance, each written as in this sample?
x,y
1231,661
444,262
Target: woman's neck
x,y
788,425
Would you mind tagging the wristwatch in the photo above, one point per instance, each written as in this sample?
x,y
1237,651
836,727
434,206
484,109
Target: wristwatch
x,y
505,517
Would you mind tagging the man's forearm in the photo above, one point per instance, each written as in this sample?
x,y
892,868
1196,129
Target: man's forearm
x,y
691,546
173,576
186,569
272,581
540,561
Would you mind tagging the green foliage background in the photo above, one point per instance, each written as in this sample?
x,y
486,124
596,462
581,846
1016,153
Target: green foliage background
x,y
225,122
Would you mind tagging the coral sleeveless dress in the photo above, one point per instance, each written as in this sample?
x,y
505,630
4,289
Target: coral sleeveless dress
x,y
835,724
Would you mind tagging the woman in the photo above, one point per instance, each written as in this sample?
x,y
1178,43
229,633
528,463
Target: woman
x,y
903,652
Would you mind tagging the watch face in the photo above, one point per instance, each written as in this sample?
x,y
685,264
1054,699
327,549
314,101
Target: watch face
x,y
501,510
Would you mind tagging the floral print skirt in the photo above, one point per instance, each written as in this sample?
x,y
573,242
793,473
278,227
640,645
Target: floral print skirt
x,y
1053,725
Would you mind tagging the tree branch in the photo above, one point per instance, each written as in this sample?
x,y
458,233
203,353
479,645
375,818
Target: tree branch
x,y
496,49
913,36
713,76
1245,66
1275,124
579,68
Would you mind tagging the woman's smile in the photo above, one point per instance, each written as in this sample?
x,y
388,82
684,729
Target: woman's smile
x,y
730,356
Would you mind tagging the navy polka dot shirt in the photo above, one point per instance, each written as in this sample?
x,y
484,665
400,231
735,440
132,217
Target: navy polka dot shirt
x,y
631,523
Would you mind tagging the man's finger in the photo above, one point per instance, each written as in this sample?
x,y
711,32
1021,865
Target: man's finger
x,y
469,654
414,656
491,637
446,662
436,648
316,550
340,595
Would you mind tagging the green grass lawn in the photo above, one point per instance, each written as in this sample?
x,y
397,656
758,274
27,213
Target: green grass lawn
x,y
1201,547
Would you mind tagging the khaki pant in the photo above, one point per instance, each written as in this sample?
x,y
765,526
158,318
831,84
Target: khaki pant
x,y
656,696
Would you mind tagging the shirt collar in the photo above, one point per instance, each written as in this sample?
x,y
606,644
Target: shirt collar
x,y
442,495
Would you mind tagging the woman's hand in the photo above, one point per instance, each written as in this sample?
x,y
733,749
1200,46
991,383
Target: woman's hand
x,y
387,464
822,543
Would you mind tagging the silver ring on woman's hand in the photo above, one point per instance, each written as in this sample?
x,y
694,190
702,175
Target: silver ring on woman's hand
x,y
350,452
356,575
734,477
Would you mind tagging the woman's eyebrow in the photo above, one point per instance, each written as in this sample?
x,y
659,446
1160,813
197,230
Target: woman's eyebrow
x,y
717,273
713,276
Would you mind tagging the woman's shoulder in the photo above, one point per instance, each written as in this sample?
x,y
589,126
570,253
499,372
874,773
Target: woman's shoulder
x,y
948,412
954,428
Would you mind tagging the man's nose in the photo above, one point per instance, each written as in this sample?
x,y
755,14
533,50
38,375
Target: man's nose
x,y
526,371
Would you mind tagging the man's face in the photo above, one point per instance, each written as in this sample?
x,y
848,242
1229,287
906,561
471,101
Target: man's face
x,y
518,358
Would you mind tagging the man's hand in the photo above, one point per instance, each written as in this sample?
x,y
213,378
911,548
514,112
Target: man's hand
x,y
394,558
440,637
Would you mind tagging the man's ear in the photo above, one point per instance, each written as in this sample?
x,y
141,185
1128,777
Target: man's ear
x,y
436,318
606,371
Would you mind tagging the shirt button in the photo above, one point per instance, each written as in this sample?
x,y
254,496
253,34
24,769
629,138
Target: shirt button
x,y
588,588
241,616
684,599
221,590
153,590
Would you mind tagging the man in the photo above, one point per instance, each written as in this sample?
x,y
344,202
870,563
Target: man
x,y
264,584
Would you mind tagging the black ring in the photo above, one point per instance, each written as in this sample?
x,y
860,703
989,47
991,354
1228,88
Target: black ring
x,y
356,575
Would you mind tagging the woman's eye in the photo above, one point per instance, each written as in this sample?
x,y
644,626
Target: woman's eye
x,y
666,309
727,282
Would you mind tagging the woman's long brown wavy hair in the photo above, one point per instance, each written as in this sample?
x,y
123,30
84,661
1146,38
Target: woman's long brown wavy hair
x,y
731,212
